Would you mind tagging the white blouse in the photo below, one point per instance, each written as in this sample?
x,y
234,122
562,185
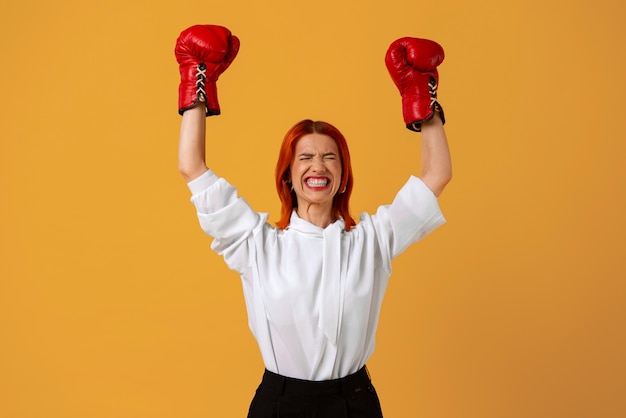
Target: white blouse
x,y
313,295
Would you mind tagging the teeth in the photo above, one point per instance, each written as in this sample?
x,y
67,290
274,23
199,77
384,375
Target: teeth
x,y
317,182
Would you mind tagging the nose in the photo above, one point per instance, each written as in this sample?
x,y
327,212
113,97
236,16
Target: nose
x,y
318,165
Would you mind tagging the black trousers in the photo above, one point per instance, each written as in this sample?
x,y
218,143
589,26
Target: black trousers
x,y
352,396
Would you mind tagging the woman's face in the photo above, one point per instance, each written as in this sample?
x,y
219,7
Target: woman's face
x,y
316,171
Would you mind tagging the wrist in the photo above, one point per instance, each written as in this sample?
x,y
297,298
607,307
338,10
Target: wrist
x,y
435,120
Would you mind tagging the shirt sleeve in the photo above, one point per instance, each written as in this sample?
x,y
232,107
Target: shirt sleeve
x,y
414,214
226,217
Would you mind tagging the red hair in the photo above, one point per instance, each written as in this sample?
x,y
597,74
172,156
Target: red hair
x,y
288,197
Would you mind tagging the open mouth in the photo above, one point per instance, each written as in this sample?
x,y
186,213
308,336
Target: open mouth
x,y
317,182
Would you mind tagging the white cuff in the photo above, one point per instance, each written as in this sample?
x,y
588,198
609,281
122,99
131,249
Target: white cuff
x,y
202,182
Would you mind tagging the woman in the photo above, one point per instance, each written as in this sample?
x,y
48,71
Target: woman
x,y
314,283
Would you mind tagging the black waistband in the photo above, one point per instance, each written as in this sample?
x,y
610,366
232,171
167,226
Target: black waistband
x,y
288,385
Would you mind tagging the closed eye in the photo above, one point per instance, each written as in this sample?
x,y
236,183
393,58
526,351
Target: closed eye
x,y
328,156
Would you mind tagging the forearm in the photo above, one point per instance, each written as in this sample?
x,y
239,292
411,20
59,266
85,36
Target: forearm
x,y
191,145
436,162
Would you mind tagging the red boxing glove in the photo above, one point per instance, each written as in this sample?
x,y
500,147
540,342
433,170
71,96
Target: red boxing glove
x,y
412,64
203,53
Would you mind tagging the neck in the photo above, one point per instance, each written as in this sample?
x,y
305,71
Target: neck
x,y
318,216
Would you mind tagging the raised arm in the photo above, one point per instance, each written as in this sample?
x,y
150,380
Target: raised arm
x,y
412,64
191,144
203,53
436,163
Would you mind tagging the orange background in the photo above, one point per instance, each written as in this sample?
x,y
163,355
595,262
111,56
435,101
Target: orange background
x,y
113,305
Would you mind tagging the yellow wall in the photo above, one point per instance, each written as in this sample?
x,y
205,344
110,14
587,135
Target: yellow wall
x,y
111,303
